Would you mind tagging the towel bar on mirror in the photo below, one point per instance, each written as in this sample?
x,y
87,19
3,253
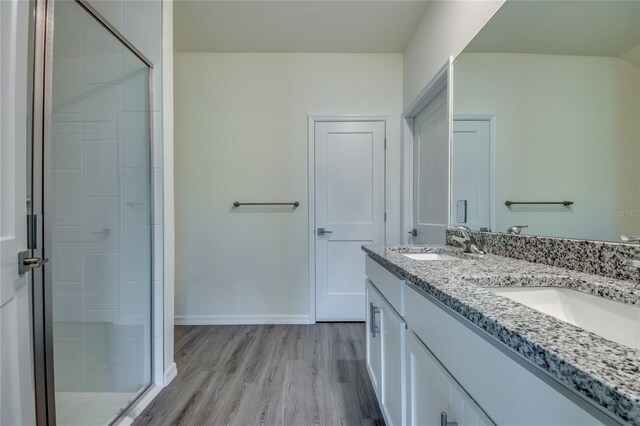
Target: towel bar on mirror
x,y
238,204
509,203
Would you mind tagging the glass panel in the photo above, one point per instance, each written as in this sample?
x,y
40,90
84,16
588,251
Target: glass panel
x,y
100,217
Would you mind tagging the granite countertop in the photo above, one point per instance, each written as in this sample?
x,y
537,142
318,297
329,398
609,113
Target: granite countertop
x,y
605,372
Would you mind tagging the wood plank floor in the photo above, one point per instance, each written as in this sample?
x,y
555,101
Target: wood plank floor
x,y
268,375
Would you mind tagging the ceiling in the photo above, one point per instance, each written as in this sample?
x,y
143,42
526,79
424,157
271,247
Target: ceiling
x,y
588,28
295,26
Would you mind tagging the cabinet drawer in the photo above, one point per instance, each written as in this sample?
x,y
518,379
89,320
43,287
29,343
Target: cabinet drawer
x,y
391,287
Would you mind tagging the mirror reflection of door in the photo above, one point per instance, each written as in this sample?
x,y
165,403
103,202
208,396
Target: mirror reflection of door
x,y
471,173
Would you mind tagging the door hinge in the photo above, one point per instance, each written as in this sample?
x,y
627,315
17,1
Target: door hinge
x,y
385,143
32,231
385,216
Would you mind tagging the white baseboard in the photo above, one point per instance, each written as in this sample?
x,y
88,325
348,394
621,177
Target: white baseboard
x,y
170,373
240,319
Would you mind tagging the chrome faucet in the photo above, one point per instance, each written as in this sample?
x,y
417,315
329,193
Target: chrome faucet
x,y
628,239
467,241
633,265
516,229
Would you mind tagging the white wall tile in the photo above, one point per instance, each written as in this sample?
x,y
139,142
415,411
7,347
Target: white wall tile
x,y
67,307
136,84
65,262
67,190
66,234
111,10
104,344
140,24
102,54
135,139
67,84
101,169
137,363
69,364
67,151
101,281
101,224
69,29
104,378
137,307
136,256
102,100
136,198
68,329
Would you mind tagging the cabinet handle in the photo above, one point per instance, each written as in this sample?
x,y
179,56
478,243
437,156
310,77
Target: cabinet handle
x,y
444,422
373,328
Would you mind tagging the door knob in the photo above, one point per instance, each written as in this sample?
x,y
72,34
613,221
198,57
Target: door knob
x,y
414,232
322,231
26,263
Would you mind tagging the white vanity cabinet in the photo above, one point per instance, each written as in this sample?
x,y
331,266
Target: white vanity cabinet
x,y
386,355
431,391
425,359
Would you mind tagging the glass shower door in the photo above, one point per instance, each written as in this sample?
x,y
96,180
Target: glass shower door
x,y
97,218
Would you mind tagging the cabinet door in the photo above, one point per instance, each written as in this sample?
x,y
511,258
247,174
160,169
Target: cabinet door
x,y
393,330
374,340
431,391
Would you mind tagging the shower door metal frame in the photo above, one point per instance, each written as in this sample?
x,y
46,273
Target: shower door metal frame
x,y
41,123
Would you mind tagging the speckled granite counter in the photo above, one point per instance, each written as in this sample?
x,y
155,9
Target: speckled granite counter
x,y
605,372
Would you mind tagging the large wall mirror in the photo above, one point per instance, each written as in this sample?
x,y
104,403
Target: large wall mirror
x,y
546,109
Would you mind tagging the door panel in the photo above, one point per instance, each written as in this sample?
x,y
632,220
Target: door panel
x,y
431,172
471,173
17,398
349,199
97,219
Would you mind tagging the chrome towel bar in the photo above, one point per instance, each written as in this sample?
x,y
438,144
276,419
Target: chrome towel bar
x,y
564,203
238,204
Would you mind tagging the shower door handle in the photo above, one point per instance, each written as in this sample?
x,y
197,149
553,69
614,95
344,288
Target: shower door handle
x,y
25,263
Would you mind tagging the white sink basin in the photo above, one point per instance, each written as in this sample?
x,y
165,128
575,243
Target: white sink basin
x,y
430,256
614,321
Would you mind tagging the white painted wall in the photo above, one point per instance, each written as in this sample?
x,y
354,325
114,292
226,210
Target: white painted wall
x,y
241,134
566,128
445,30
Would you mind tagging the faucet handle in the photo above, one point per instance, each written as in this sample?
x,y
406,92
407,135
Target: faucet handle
x,y
629,239
632,265
516,229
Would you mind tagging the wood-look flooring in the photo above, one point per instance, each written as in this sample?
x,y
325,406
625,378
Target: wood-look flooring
x,y
268,375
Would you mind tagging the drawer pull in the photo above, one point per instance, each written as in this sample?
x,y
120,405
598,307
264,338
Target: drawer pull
x,y
373,328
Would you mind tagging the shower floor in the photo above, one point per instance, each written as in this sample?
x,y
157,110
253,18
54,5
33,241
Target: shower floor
x,y
90,408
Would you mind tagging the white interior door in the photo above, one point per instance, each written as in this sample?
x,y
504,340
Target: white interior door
x,y
471,174
349,207
431,172
17,397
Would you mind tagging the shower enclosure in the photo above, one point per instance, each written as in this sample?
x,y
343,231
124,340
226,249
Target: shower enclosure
x,y
96,208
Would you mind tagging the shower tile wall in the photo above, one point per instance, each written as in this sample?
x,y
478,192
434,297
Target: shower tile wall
x,y
100,219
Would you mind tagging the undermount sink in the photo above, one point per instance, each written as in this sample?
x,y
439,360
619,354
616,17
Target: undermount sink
x,y
614,321
430,256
